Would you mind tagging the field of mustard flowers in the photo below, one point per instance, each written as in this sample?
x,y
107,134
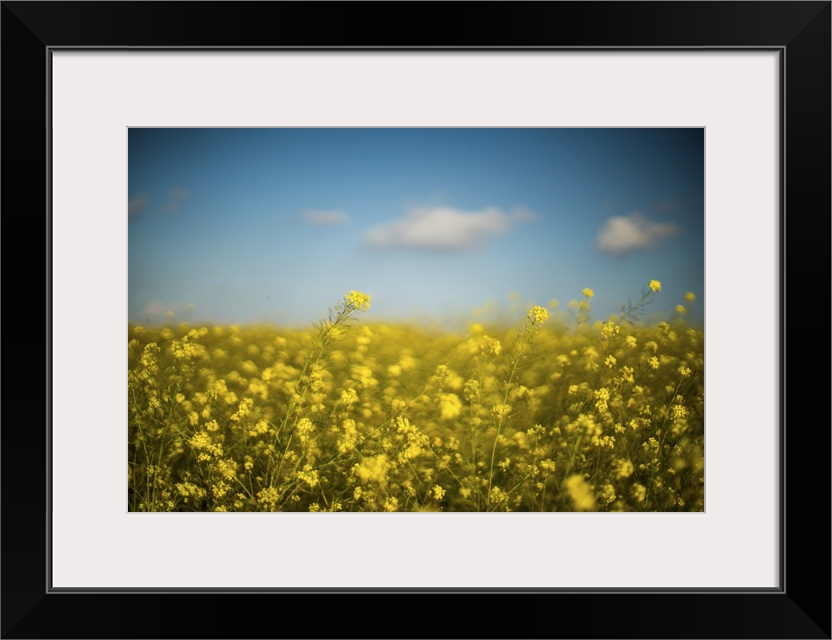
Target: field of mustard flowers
x,y
555,414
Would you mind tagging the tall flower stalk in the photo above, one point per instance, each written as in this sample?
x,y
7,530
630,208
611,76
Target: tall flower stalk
x,y
534,320
327,332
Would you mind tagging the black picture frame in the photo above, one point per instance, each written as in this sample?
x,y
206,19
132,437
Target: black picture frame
x,y
799,608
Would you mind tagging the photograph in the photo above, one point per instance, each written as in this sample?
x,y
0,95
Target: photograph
x,y
416,319
381,261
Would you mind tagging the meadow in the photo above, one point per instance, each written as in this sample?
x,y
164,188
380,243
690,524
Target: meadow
x,y
556,412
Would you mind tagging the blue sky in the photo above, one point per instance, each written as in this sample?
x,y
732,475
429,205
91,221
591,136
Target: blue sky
x,y
275,225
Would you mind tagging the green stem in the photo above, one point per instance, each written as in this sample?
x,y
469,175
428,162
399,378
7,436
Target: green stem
x,y
523,343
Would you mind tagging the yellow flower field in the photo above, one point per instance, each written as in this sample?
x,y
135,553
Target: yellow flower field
x,y
553,414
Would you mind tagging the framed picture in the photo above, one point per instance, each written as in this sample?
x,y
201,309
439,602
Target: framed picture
x,y
82,81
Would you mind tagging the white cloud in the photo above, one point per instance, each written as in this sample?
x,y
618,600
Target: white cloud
x,y
623,234
325,218
444,228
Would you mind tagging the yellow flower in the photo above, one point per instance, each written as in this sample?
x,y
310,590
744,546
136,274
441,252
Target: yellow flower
x,y
639,492
602,394
372,469
491,346
678,412
538,314
689,296
450,405
623,469
681,309
267,498
580,492
588,292
361,301
607,494
308,475
610,329
655,285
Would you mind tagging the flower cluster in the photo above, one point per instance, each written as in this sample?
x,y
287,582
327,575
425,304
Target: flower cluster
x,y
357,300
556,414
538,314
